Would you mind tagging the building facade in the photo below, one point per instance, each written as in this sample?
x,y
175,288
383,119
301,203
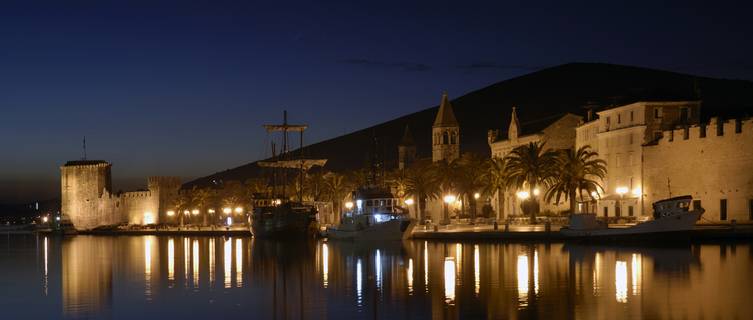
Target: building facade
x,y
445,133
88,201
557,132
619,135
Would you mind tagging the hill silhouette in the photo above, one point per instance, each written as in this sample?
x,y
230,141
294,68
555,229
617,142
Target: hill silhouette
x,y
544,94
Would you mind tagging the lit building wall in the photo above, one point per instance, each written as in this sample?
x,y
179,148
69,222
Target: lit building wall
x,y
713,169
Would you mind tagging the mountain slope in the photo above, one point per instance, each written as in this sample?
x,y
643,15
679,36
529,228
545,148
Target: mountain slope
x,y
542,94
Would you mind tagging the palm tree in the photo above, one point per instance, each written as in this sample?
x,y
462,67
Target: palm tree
x,y
530,166
200,199
576,172
422,184
446,174
398,181
496,181
469,180
181,202
314,186
336,189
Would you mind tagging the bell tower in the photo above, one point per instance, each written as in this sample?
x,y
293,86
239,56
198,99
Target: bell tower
x,y
406,150
445,133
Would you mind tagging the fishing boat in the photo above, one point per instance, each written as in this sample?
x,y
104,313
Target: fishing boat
x,y
671,216
281,217
375,216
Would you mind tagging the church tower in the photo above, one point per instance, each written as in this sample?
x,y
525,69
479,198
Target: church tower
x,y
406,150
445,133
514,130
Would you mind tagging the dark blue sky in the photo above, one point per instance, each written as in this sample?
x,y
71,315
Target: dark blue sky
x,y
182,88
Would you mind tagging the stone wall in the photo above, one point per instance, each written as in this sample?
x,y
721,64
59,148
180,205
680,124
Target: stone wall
x,y
711,168
87,199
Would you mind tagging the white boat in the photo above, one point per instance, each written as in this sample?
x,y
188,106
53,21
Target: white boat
x,y
375,216
671,216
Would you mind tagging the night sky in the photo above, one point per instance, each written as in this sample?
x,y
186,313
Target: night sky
x,y
172,88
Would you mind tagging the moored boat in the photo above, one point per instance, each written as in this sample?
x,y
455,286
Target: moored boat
x,y
375,216
671,216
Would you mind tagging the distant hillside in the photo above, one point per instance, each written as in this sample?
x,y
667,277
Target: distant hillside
x,y
545,93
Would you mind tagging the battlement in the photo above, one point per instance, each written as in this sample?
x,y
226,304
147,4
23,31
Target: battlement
x,y
86,163
716,129
136,194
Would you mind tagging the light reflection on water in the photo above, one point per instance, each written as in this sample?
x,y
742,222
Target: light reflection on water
x,y
128,277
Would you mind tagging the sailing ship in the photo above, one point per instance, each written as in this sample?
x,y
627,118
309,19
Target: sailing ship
x,y
280,217
671,216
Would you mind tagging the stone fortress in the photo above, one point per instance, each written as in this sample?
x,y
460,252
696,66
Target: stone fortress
x,y
88,200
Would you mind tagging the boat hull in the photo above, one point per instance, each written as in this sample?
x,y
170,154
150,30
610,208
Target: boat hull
x,y
677,226
394,230
289,225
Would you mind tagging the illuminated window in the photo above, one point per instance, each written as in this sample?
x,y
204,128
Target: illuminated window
x,y
657,113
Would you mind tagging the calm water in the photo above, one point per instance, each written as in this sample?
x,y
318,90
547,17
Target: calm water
x,y
203,277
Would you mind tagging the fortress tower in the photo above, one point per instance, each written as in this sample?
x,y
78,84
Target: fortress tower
x,y
82,183
445,133
163,191
406,150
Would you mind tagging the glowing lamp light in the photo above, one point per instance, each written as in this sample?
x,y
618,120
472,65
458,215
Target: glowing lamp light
x,y
278,202
186,212
148,218
476,195
359,203
594,195
409,201
57,218
349,205
449,198
536,192
44,219
238,210
227,210
170,213
211,211
229,221
523,195
195,211
637,192
622,190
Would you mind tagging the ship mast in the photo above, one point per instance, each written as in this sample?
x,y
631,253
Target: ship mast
x,y
284,161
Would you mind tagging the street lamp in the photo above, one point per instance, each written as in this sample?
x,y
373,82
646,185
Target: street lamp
x,y
523,195
447,200
238,210
170,213
227,210
408,202
476,195
349,205
195,212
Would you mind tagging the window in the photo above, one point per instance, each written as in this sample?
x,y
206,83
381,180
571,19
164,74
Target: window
x,y
630,211
696,204
617,160
631,117
630,159
619,118
703,130
723,209
608,121
617,209
445,138
606,212
453,138
630,139
750,209
738,126
657,113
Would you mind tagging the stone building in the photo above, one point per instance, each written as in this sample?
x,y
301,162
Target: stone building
x,y
557,132
445,133
88,200
711,162
619,135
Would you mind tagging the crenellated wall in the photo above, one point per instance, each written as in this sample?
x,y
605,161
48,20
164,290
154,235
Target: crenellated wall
x,y
711,162
88,201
